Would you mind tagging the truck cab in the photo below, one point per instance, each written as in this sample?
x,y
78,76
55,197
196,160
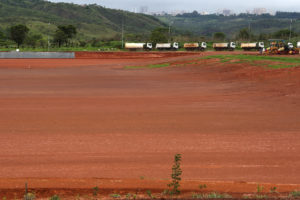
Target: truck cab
x,y
261,45
149,46
290,45
175,45
232,46
203,45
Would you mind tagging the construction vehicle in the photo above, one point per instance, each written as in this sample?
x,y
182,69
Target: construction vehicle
x,y
224,46
252,46
138,46
167,46
279,47
195,46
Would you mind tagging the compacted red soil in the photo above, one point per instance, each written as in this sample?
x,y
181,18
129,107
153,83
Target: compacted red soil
x,y
70,125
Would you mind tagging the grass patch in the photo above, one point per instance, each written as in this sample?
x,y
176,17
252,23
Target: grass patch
x,y
213,195
295,194
149,66
287,62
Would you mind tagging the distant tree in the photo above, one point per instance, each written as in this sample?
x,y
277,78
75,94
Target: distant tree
x,y
159,35
263,36
284,34
2,35
69,30
64,33
33,39
60,37
244,34
219,36
18,33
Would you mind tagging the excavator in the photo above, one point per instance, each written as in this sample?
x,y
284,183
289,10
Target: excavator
x,y
280,47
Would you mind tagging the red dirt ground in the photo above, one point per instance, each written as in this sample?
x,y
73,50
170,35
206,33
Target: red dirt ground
x,y
69,125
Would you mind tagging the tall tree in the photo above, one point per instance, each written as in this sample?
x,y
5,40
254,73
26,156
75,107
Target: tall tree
x,y
159,35
64,33
244,34
219,36
18,33
60,37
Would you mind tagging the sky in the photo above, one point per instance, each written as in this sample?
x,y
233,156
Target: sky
x,y
199,5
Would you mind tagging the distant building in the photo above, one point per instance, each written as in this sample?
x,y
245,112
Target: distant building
x,y
226,12
259,11
144,9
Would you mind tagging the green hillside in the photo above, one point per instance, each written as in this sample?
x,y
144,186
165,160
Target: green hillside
x,y
207,25
91,21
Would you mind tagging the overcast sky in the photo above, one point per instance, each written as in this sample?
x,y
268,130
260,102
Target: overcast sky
x,y
199,5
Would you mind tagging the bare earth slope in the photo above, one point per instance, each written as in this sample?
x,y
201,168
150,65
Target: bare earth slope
x,y
93,118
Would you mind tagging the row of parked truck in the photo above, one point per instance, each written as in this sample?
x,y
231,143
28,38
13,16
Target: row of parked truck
x,y
199,46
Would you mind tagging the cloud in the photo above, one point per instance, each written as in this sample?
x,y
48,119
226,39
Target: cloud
x,y
199,5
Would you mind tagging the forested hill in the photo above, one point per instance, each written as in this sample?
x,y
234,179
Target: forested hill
x,y
90,20
207,25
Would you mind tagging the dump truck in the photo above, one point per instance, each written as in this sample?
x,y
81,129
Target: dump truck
x,y
279,47
195,46
224,46
252,46
167,46
138,46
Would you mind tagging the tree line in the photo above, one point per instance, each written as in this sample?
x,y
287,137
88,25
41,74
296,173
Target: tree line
x,y
64,35
20,35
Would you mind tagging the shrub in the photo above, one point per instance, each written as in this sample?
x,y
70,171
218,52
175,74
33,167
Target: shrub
x,y
176,176
55,197
295,194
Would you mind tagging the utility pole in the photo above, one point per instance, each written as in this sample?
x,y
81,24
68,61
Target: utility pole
x,y
290,30
249,38
123,31
48,36
170,31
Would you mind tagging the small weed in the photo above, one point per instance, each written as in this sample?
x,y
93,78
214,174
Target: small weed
x,y
128,196
149,193
95,191
55,197
273,190
261,197
295,194
29,196
134,196
115,196
213,195
202,186
259,188
142,177
4,198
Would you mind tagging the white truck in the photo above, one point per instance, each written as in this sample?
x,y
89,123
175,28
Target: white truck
x,y
167,46
252,46
138,46
195,46
224,46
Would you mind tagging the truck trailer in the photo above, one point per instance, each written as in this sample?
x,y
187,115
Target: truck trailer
x,y
195,46
138,46
224,46
167,46
252,46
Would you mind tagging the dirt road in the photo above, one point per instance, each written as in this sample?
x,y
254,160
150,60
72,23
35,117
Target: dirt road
x,y
92,118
